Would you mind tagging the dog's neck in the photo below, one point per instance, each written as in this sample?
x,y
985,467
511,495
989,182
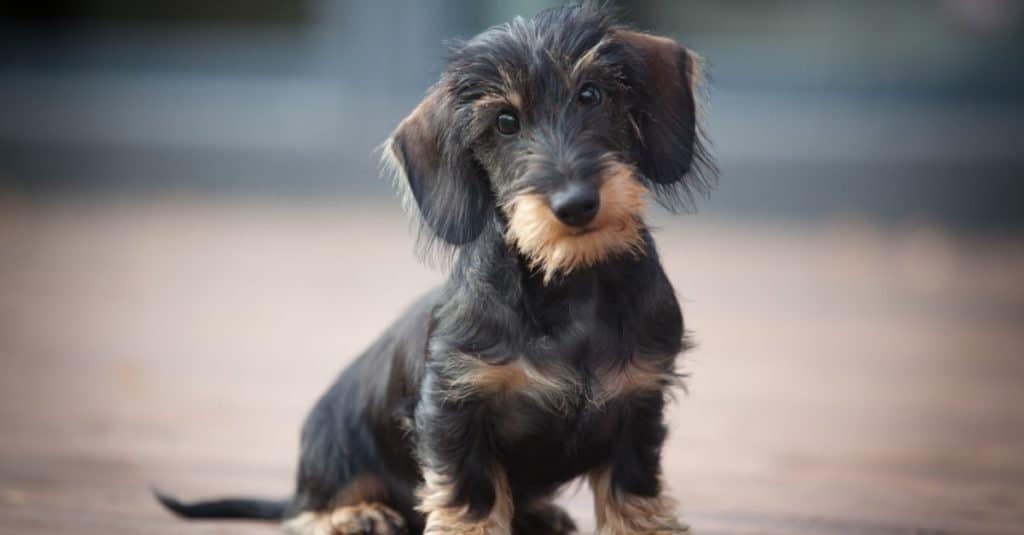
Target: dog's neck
x,y
496,307
491,262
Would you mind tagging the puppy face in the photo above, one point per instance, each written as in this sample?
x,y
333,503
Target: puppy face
x,y
556,130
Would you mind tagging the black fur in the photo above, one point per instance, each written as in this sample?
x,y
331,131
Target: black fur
x,y
226,508
390,414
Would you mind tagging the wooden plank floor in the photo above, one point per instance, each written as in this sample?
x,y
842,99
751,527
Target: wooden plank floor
x,y
848,379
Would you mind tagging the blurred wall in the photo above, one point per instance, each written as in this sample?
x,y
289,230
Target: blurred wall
x,y
890,110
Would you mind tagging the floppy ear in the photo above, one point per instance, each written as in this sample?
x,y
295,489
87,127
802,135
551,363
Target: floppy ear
x,y
449,186
667,146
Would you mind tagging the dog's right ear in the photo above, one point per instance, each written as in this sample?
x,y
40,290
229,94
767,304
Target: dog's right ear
x,y
668,145
448,185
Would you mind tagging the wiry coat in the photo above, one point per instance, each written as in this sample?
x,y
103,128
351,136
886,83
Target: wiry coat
x,y
549,352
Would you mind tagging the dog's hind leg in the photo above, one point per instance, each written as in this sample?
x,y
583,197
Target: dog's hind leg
x,y
372,518
361,507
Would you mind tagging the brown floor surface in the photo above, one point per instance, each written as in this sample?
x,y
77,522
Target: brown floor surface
x,y
848,379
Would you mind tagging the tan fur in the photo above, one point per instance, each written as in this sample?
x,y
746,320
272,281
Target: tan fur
x,y
309,523
555,387
509,99
361,497
351,519
555,248
549,387
638,376
435,496
587,58
347,519
510,80
563,73
619,514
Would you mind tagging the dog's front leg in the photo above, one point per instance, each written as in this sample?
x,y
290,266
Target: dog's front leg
x,y
465,491
450,514
629,497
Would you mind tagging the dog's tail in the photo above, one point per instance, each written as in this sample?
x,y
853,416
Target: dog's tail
x,y
225,508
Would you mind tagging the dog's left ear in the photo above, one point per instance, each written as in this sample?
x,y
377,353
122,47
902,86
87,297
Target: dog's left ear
x,y
450,188
665,108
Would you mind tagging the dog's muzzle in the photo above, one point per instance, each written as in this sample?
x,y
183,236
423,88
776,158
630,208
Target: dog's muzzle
x,y
580,224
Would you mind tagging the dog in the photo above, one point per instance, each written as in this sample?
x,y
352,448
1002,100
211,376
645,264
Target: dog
x,y
550,352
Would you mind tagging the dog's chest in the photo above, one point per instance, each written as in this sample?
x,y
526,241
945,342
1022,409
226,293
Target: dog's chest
x,y
560,387
554,427
553,399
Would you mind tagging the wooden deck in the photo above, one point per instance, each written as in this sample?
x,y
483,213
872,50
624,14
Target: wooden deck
x,y
848,379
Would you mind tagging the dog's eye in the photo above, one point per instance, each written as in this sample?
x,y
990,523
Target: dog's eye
x,y
507,123
589,95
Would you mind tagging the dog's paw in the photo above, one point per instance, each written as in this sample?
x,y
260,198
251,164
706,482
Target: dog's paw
x,y
648,526
367,519
544,519
674,527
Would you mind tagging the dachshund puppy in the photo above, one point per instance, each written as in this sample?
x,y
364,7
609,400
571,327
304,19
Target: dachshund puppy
x,y
549,353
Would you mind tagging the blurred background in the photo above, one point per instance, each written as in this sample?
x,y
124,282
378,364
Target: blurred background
x,y
194,239
895,110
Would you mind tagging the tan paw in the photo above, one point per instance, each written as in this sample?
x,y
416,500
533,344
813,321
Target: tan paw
x,y
367,519
362,519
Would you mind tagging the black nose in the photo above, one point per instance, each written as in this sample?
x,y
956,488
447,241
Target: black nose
x,y
576,204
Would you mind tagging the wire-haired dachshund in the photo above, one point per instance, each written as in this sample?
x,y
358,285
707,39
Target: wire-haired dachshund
x,y
549,353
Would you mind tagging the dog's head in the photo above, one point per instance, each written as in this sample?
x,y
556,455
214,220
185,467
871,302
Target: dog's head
x,y
556,129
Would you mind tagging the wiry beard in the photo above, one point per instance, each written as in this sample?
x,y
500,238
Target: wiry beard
x,y
556,249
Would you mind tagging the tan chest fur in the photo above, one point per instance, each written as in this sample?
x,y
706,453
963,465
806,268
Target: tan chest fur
x,y
556,386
